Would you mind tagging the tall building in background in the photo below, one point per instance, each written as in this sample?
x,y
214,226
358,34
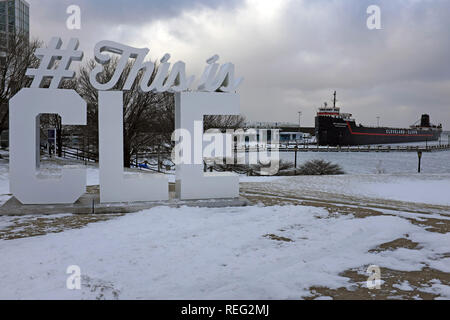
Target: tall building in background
x,y
14,19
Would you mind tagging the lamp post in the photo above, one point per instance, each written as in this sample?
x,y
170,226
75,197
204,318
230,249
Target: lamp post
x,y
299,134
419,155
378,121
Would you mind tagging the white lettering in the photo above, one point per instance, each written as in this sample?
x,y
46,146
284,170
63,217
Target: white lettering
x,y
74,20
374,20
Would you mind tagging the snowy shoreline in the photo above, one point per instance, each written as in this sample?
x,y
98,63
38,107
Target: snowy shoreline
x,y
253,252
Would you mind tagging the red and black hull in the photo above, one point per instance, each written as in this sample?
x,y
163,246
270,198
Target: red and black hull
x,y
334,131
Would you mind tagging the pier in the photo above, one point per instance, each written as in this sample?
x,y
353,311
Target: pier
x,y
381,148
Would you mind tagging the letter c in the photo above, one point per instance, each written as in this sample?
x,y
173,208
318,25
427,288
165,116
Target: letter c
x,y
25,108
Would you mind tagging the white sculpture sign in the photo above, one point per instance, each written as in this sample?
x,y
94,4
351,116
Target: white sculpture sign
x,y
25,109
215,95
115,186
190,181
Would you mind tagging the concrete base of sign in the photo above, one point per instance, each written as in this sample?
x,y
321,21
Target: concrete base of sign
x,y
89,203
209,185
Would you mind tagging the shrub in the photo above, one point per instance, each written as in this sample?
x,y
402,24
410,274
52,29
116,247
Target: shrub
x,y
313,167
252,170
320,167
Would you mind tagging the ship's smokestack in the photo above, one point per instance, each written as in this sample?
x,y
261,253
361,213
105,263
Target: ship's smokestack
x,y
425,121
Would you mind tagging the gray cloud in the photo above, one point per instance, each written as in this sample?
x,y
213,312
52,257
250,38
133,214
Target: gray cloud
x,y
293,54
102,18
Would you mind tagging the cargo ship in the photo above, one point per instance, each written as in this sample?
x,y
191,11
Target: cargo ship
x,y
334,128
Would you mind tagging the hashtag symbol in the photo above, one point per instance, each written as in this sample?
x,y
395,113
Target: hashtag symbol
x,y
55,63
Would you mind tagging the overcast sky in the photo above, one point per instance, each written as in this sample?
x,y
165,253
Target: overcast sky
x,y
292,54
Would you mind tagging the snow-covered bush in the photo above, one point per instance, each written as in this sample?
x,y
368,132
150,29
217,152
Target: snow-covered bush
x,y
319,167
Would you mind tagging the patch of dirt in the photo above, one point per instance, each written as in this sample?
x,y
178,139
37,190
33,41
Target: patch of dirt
x,y
271,201
433,224
93,189
258,191
32,226
396,284
337,204
418,282
277,238
333,209
103,290
395,244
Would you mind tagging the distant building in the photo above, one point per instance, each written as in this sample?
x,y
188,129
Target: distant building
x,y
289,132
14,19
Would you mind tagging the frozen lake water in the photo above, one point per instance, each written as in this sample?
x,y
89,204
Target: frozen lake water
x,y
436,162
371,162
390,162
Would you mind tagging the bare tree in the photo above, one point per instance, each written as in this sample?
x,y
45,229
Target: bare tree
x,y
19,56
223,122
148,117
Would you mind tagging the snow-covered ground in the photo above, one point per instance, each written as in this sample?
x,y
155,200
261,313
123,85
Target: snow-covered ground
x,y
255,252
420,188
425,188
198,253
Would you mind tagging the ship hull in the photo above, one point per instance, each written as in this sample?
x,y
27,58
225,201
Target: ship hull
x,y
335,131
